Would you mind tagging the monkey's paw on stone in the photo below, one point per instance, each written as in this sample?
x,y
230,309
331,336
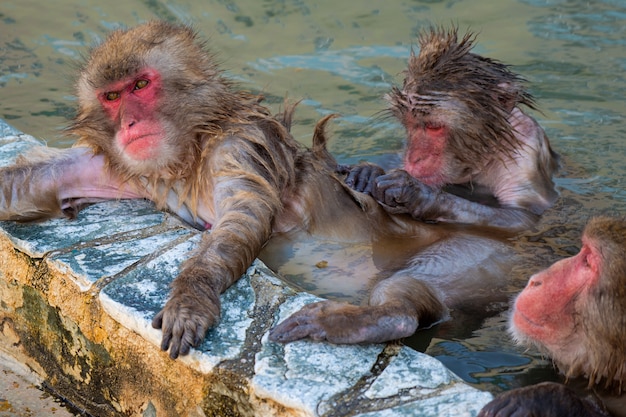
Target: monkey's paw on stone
x,y
184,320
343,323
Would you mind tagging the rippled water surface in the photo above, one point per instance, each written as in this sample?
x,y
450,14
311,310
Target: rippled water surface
x,y
342,57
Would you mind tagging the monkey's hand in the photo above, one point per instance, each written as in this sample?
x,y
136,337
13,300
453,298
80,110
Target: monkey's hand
x,y
192,309
362,177
399,192
547,399
338,322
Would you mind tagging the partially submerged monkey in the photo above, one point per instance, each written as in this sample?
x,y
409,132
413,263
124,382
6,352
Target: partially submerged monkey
x,y
472,156
575,313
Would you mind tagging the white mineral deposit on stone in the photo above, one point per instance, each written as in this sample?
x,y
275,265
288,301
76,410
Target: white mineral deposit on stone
x,y
423,372
145,287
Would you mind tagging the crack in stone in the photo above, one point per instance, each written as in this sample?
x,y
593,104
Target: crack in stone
x,y
267,302
126,236
352,401
104,281
170,224
235,375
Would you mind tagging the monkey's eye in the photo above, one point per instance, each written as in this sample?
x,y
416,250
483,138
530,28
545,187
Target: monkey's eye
x,y
112,95
141,84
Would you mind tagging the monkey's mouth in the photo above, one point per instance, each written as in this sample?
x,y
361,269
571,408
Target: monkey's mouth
x,y
522,321
141,146
132,139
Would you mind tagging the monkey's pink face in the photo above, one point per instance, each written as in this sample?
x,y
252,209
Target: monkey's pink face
x,y
132,105
425,157
547,310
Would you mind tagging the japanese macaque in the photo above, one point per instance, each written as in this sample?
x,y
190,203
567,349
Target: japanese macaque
x,y
157,119
472,156
575,312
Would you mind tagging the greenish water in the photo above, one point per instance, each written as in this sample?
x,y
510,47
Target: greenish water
x,y
341,57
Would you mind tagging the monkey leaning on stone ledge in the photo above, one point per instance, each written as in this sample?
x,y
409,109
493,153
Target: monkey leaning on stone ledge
x,y
157,119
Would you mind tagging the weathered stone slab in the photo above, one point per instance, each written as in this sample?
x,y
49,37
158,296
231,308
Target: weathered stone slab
x,y
77,298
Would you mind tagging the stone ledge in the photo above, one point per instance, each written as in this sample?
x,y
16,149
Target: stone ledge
x,y
77,298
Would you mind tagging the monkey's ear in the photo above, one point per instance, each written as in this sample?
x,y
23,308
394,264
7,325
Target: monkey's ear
x,y
508,95
593,260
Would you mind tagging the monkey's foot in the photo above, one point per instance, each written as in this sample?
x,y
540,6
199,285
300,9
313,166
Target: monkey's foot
x,y
185,319
338,322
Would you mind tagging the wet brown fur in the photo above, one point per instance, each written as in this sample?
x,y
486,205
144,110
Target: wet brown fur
x,y
472,155
228,155
475,92
603,322
211,112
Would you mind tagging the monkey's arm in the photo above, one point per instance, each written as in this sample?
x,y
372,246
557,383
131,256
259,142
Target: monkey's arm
x,y
547,399
246,203
510,191
399,192
49,182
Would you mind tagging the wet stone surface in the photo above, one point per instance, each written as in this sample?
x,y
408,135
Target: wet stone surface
x,y
105,274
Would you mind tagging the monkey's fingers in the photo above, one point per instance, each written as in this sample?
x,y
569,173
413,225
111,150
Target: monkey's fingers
x,y
186,334
343,169
401,193
295,328
183,327
302,324
390,196
160,322
362,177
163,321
157,321
307,322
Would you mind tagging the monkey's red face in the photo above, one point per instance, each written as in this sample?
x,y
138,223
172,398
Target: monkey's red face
x,y
132,105
547,311
426,157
